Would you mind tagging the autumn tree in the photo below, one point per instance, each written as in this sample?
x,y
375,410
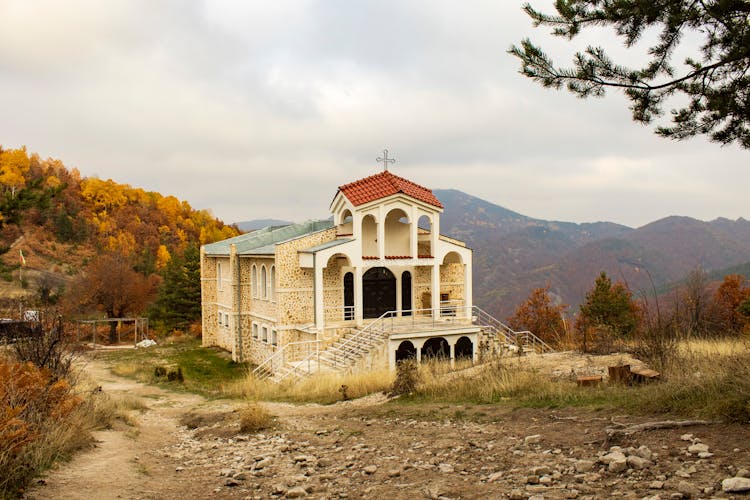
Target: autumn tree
x,y
712,85
611,306
14,164
730,295
540,315
112,285
696,308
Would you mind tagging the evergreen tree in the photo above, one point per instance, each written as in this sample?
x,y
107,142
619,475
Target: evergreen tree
x,y
609,306
715,81
179,300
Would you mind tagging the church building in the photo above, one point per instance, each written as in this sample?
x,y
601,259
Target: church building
x,y
374,284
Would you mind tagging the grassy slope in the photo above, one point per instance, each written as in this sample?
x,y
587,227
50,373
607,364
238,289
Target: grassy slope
x,y
702,379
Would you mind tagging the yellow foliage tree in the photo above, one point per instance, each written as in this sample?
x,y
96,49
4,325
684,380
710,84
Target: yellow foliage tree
x,y
14,164
162,257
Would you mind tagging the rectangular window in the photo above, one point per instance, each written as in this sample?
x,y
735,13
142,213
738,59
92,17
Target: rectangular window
x,y
255,330
264,334
273,337
221,319
226,320
218,275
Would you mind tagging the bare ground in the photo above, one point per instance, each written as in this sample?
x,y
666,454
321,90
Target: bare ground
x,y
184,446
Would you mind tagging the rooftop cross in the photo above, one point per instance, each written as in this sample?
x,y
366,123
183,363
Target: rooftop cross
x,y
385,160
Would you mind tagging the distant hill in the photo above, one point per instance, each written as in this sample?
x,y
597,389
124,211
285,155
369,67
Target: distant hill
x,y
514,253
60,221
252,225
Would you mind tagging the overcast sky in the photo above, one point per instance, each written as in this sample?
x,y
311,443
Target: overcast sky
x,y
261,109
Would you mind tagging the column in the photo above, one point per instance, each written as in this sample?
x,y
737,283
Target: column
x,y
414,232
358,310
453,353
318,293
435,290
381,233
468,299
398,293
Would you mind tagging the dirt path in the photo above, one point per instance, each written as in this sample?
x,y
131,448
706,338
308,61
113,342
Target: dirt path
x,y
369,449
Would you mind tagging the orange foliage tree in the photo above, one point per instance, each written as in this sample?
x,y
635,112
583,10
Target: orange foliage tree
x,y
112,285
540,315
730,295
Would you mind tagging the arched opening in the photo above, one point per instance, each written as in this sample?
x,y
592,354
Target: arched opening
x,y
424,237
406,350
452,258
397,234
345,224
254,281
349,296
464,348
406,293
272,283
436,348
263,283
378,292
369,236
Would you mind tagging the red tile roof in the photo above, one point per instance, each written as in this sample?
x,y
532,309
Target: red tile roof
x,y
386,184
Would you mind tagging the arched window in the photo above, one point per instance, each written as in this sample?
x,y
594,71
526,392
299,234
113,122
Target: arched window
x,y
263,283
272,283
424,237
218,275
254,281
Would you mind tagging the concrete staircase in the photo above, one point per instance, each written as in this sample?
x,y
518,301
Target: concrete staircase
x,y
358,343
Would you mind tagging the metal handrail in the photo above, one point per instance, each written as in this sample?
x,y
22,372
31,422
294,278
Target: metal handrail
x,y
281,354
380,329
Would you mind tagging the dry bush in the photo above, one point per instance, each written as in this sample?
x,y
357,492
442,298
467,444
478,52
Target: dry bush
x,y
37,421
255,418
407,377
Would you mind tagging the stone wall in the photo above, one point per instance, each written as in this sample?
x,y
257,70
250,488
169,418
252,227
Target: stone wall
x,y
295,300
452,281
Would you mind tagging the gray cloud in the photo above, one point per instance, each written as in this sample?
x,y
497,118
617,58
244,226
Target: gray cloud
x,y
261,109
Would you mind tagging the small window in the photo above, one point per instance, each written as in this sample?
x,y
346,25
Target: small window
x,y
263,283
255,330
254,281
226,319
221,318
273,337
264,334
218,276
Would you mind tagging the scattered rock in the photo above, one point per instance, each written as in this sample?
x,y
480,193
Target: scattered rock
x,y
736,485
698,448
446,468
296,492
584,466
637,462
688,489
370,469
394,472
495,477
533,439
656,485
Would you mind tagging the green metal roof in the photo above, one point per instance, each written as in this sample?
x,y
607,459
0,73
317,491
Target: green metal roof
x,y
327,244
264,241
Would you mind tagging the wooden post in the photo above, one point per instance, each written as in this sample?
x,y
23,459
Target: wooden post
x,y
619,374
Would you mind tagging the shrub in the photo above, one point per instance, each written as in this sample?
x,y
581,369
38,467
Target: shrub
x,y
35,408
407,377
254,418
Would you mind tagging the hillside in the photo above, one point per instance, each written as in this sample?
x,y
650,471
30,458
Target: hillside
x,y
514,253
61,221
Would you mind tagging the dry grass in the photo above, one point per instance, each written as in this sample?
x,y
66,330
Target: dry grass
x,y
708,379
255,418
324,388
